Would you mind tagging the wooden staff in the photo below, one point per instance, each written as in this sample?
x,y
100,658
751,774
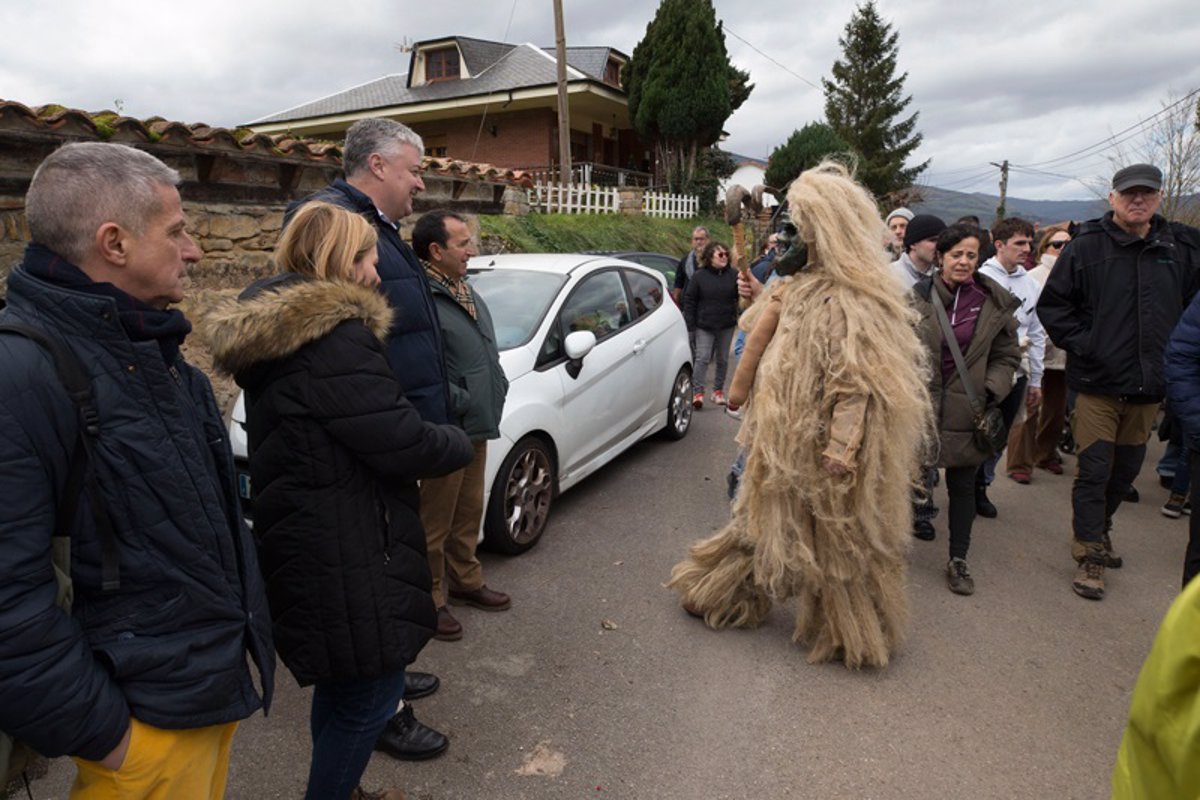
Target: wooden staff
x,y
738,198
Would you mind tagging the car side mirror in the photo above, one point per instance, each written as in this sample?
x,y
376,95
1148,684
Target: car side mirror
x,y
577,345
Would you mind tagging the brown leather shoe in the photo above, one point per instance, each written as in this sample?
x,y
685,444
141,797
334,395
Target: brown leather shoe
x,y
448,628
482,598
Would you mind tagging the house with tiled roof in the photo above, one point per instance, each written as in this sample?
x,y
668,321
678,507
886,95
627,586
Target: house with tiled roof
x,y
495,102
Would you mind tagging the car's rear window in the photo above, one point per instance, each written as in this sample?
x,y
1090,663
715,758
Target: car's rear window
x,y
518,300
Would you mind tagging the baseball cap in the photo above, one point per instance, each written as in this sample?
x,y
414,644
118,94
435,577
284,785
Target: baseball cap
x,y
1146,175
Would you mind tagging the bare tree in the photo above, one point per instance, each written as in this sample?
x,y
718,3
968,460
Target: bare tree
x,y
1171,143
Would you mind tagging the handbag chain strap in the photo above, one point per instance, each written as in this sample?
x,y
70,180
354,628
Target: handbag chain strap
x,y
952,344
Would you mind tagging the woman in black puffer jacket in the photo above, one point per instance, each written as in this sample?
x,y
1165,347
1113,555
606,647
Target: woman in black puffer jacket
x,y
710,309
335,454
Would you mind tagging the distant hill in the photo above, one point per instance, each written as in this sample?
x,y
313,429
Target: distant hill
x,y
951,205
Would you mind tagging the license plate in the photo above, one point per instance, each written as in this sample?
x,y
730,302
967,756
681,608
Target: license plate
x,y
244,485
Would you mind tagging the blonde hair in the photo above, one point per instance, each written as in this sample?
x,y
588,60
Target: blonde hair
x,y
324,241
1048,234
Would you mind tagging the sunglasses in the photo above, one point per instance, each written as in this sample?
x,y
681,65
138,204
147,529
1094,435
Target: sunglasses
x,y
720,253
1058,244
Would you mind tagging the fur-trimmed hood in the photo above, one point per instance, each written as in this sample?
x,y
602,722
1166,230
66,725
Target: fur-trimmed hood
x,y
276,317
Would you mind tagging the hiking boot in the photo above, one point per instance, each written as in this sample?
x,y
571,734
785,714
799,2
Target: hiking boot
x,y
1089,575
1111,559
360,793
983,506
698,400
958,577
923,530
1174,505
718,398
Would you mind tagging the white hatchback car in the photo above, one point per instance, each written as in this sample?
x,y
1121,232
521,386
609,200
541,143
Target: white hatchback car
x,y
596,361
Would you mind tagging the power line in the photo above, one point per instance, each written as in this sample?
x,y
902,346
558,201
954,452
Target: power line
x,y
783,67
1111,140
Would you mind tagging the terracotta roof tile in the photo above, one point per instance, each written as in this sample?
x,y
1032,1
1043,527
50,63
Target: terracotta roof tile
x,y
57,122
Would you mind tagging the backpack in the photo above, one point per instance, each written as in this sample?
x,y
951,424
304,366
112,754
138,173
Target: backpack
x,y
17,759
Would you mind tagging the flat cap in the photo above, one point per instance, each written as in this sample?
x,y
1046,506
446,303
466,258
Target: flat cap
x,y
1146,175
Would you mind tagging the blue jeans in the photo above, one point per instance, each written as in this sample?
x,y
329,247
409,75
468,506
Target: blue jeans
x,y
1173,457
346,720
711,345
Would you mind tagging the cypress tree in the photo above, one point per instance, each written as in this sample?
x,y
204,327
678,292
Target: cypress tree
x,y
805,148
864,100
682,87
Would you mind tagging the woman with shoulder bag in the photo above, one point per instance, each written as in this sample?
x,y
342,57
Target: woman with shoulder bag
x,y
972,371
335,454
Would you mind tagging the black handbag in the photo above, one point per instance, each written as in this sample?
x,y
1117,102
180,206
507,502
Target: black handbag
x,y
991,434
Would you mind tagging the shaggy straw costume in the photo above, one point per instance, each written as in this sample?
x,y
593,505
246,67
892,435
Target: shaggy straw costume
x,y
838,372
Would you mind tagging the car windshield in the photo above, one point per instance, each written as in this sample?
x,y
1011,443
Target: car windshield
x,y
518,300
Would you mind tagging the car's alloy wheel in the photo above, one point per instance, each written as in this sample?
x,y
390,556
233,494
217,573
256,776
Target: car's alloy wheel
x,y
679,407
519,507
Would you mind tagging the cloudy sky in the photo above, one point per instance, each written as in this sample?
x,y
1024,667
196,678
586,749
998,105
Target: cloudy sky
x,y
1042,85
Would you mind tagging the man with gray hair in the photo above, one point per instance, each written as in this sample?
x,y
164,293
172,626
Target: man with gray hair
x,y
382,162
687,265
1115,294
147,664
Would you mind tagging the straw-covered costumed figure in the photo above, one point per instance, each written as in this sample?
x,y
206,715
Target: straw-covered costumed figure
x,y
837,420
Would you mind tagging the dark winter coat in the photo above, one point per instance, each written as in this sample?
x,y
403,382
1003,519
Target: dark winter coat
x,y
1181,370
477,382
335,453
414,344
169,646
1113,299
710,301
991,359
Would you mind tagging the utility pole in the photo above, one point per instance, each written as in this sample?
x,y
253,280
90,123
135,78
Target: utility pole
x,y
564,115
1003,188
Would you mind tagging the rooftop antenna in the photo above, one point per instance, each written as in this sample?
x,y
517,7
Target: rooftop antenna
x,y
405,45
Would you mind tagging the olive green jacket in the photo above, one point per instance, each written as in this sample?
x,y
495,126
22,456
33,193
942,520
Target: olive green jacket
x,y
476,380
991,359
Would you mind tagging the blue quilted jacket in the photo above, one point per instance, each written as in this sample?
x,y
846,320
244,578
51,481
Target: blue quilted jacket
x,y
170,645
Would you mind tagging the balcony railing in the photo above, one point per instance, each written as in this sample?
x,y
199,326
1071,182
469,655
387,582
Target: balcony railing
x,y
588,173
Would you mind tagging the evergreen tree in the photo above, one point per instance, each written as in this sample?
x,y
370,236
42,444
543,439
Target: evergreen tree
x,y
804,149
682,87
864,100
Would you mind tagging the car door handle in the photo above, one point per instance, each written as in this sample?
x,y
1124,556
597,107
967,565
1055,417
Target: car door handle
x,y
639,346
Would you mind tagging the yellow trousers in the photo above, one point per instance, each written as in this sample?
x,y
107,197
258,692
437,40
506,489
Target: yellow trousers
x,y
162,765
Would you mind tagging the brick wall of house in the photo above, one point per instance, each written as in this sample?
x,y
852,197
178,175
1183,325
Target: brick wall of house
x,y
523,138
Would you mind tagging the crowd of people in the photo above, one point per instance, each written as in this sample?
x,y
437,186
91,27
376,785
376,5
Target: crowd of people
x,y
135,605
140,618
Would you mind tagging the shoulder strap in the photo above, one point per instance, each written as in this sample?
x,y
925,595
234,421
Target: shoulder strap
x,y
952,344
78,384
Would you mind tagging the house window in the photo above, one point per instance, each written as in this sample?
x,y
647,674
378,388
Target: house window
x,y
441,65
435,146
612,73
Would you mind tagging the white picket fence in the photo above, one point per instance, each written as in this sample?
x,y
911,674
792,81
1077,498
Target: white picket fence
x,y
556,198
671,206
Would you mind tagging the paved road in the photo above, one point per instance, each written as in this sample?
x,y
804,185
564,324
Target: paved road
x,y
1017,692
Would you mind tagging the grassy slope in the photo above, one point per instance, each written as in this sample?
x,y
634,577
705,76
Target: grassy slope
x,y
569,233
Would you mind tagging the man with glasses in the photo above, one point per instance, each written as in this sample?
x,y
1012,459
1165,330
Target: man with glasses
x,y
1013,238
1111,302
687,264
